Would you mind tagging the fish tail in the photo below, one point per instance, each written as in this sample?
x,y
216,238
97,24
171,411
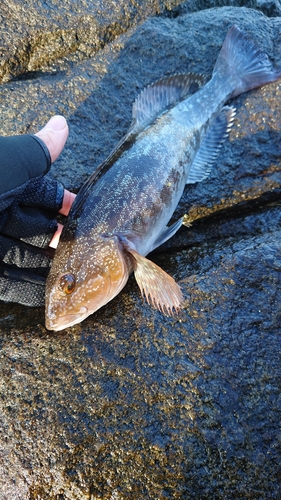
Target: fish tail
x,y
243,63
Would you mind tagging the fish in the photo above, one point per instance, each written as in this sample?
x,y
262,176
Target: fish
x,y
122,211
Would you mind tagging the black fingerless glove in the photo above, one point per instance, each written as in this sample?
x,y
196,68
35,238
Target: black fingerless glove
x,y
29,202
23,272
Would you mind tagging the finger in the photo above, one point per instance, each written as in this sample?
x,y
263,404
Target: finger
x,y
54,135
68,199
55,239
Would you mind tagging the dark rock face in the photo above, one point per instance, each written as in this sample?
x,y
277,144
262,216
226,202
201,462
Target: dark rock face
x,y
131,404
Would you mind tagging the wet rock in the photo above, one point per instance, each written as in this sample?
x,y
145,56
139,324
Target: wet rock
x,y
131,404
35,35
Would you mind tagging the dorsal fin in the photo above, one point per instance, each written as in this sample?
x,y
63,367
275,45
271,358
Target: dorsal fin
x,y
150,103
162,95
210,146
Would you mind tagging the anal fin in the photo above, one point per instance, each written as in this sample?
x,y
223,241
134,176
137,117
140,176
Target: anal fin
x,y
210,146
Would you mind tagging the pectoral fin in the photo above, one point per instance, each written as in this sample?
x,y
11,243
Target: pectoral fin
x,y
169,231
156,286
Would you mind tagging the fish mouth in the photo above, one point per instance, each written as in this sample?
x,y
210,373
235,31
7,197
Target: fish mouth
x,y
68,320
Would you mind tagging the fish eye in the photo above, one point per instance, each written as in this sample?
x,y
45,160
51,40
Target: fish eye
x,y
67,283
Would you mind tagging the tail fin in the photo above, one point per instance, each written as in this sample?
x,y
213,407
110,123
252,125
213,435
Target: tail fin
x,y
241,58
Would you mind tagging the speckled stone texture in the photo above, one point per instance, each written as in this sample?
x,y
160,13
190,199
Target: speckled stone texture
x,y
130,404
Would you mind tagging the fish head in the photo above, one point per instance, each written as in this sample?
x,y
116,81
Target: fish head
x,y
84,277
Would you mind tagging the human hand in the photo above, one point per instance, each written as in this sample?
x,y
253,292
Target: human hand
x,y
29,203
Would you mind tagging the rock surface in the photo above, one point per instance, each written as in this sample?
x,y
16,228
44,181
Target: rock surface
x,y
35,35
131,404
